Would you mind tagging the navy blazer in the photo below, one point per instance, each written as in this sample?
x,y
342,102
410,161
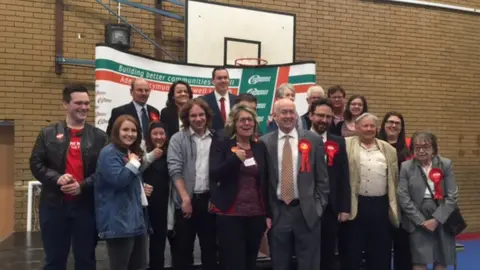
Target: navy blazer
x,y
339,177
217,121
225,169
129,109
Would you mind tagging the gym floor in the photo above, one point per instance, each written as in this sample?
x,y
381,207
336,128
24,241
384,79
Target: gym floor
x,y
23,251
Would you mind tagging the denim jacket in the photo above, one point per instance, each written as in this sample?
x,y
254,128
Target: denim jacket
x,y
118,207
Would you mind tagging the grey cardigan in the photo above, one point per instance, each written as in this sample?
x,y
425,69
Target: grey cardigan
x,y
181,159
411,191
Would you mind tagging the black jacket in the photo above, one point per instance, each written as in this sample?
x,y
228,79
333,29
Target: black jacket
x,y
225,169
306,120
130,109
48,159
339,177
217,121
157,176
169,117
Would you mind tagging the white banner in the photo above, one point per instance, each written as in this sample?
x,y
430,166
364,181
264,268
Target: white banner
x,y
115,70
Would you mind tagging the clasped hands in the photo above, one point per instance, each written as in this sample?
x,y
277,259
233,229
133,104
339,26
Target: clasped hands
x,y
430,224
69,185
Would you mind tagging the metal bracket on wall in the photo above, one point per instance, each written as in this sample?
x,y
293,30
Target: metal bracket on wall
x,y
60,60
437,5
138,30
175,2
75,61
154,10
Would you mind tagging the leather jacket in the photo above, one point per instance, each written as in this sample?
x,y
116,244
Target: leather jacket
x,y
48,159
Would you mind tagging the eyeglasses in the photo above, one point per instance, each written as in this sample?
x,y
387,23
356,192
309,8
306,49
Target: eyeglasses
x,y
245,120
391,122
321,115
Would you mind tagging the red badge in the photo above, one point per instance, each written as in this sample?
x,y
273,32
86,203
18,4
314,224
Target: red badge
x,y
154,117
331,149
304,146
436,175
59,136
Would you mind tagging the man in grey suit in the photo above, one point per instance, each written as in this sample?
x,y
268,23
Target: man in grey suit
x,y
297,190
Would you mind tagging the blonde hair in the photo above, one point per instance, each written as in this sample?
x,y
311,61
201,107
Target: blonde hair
x,y
315,89
231,122
284,87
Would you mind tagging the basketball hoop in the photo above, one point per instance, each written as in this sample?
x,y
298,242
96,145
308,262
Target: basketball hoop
x,y
250,62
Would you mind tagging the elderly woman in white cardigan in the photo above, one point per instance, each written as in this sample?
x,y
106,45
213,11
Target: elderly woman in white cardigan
x,y
427,193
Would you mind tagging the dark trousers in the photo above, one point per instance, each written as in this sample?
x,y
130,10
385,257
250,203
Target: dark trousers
x,y
239,240
291,235
201,223
68,225
158,221
128,253
330,227
402,258
370,231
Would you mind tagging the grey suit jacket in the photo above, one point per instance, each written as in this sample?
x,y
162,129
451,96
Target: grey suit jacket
x,y
313,186
411,191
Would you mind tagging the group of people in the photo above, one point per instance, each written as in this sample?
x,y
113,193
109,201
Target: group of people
x,y
328,181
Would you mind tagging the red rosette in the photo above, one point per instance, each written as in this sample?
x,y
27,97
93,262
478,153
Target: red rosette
x,y
304,146
154,117
331,149
436,175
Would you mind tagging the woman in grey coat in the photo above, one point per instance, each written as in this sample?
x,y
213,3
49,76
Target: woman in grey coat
x,y
423,214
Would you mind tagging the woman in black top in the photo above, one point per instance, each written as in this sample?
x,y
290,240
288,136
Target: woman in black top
x,y
392,131
157,189
180,93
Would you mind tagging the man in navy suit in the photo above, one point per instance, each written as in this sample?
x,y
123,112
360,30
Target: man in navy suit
x,y
338,208
138,108
220,100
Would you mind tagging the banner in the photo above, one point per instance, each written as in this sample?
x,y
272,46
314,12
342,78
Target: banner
x,y
115,71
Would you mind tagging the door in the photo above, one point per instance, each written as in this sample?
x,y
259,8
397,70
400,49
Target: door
x,y
6,180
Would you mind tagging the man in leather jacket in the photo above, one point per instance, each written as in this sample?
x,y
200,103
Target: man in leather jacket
x,y
64,160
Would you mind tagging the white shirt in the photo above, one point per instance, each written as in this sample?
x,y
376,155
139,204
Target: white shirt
x,y
427,170
143,196
226,102
373,172
201,164
293,139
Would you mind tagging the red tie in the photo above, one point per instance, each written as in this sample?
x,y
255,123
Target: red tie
x,y
223,112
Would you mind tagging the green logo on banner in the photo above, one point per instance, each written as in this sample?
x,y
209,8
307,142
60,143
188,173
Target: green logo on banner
x,y
261,83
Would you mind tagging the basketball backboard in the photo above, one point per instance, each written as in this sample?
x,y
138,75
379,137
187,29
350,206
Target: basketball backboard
x,y
217,34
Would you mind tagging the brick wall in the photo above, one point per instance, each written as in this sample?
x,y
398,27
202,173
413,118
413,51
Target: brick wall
x,y
420,61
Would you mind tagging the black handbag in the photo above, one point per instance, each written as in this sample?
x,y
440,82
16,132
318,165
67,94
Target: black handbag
x,y
455,223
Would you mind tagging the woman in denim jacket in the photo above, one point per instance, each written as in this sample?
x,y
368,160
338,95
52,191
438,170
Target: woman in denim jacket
x,y
120,200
